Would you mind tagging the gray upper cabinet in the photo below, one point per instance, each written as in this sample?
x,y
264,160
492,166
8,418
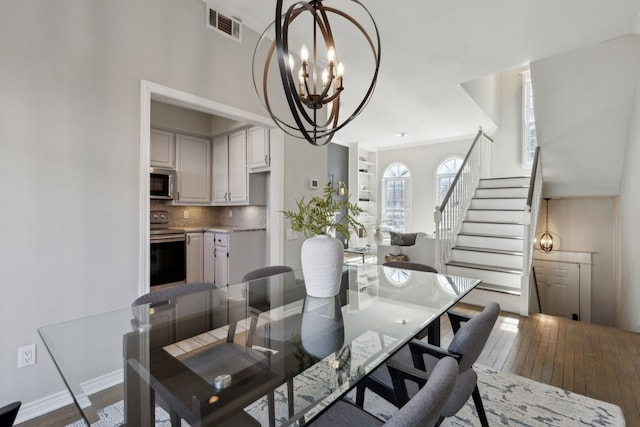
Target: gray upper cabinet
x,y
193,166
259,159
163,149
230,175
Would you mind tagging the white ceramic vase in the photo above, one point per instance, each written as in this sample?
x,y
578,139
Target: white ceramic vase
x,y
322,260
378,238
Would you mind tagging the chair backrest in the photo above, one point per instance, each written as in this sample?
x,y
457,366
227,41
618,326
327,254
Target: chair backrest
x,y
9,413
425,407
472,336
165,294
410,266
265,272
166,329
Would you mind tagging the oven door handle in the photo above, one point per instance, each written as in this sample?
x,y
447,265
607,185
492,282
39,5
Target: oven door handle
x,y
166,239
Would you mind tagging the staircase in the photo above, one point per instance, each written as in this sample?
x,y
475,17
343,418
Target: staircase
x,y
489,245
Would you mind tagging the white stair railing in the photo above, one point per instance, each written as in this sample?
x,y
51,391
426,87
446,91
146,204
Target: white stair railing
x,y
530,221
449,215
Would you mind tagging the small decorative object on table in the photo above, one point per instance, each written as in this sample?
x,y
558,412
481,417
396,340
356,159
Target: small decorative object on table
x,y
396,242
398,257
322,256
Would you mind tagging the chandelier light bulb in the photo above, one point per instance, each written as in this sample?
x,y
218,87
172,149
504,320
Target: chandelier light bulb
x,y
291,62
325,77
340,70
304,53
331,55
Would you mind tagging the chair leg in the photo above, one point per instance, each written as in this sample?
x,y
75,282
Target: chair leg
x,y
480,407
360,389
176,421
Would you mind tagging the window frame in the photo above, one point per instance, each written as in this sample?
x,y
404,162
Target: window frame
x,y
437,176
406,200
528,121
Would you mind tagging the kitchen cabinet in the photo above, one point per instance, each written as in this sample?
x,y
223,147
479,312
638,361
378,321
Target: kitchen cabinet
x,y
229,169
258,149
193,167
195,257
163,149
209,259
232,184
234,254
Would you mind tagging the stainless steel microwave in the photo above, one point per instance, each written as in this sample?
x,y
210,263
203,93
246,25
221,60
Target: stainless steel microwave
x,y
162,183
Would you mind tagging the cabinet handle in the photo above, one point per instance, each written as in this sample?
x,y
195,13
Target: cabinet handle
x,y
266,159
178,195
188,240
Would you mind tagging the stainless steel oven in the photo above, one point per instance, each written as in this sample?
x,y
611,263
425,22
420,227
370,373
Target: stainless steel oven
x,y
168,255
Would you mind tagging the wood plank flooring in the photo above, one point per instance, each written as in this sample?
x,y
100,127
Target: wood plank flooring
x,y
596,361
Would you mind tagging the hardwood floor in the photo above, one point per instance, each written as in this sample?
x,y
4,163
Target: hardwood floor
x,y
595,361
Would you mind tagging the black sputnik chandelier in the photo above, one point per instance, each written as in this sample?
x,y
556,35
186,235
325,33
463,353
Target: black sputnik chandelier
x,y
314,87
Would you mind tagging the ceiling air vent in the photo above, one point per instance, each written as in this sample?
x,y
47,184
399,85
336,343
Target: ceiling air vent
x,y
231,27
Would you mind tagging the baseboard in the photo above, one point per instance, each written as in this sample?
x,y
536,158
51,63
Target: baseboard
x,y
43,406
37,408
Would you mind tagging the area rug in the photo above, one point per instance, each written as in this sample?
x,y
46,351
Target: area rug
x,y
509,400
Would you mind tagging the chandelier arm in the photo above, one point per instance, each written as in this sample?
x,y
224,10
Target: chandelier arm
x,y
283,55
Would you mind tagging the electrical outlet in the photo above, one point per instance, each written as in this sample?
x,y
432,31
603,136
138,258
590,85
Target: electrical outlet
x,y
185,214
230,212
27,355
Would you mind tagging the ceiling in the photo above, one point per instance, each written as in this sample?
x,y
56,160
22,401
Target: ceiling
x,y
430,48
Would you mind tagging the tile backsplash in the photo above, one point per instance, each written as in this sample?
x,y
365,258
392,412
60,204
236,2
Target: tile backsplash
x,y
209,216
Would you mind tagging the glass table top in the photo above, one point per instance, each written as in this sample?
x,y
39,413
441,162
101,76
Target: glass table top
x,y
261,349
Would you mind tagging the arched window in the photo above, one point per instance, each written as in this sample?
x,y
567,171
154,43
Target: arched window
x,y
445,174
396,184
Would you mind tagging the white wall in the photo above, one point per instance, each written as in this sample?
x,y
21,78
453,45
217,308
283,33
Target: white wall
x,y
506,152
422,161
588,224
69,153
628,315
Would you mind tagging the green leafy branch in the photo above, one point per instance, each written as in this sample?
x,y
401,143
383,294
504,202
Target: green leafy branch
x,y
318,215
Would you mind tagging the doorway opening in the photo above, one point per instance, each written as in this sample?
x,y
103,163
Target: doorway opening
x,y
150,91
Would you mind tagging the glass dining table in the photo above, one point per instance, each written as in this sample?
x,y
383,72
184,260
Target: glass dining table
x,y
255,353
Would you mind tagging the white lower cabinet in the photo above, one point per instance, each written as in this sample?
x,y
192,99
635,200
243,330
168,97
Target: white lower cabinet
x,y
231,255
209,260
195,257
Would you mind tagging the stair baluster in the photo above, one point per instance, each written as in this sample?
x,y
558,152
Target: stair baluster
x,y
449,215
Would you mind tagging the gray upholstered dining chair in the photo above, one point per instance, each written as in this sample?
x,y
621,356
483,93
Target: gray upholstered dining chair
x,y
8,414
410,266
466,346
263,272
422,410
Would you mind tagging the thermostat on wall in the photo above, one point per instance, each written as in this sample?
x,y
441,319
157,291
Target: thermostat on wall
x,y
313,183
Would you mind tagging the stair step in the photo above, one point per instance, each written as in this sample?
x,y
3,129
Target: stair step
x,y
495,215
508,277
498,288
500,192
493,228
498,203
488,250
488,257
484,267
507,243
520,181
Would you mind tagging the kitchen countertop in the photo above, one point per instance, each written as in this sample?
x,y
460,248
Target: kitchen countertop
x,y
217,229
